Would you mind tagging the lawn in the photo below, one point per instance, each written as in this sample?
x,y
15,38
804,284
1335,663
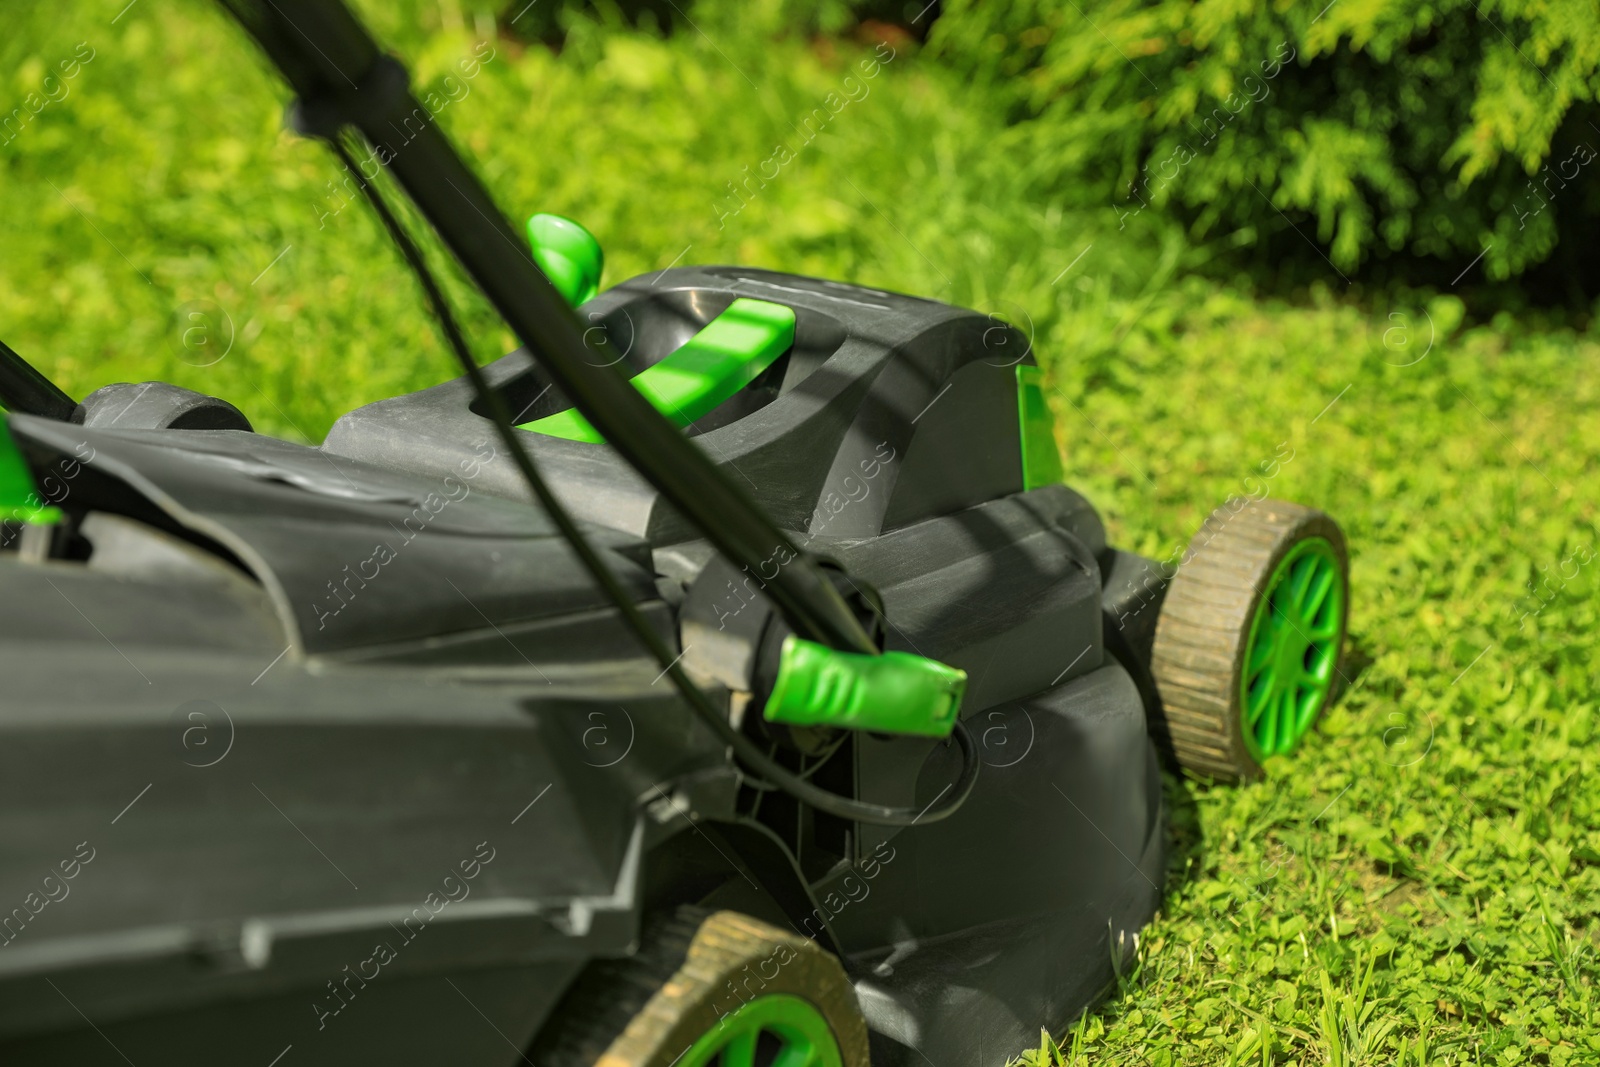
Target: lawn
x,y
1419,884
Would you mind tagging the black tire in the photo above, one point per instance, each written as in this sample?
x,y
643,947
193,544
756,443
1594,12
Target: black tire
x,y
693,967
1205,621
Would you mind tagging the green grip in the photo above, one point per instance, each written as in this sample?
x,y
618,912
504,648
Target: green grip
x,y
724,357
19,500
895,692
568,254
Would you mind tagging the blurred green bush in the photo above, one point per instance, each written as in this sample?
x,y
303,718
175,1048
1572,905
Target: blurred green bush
x,y
1402,129
549,21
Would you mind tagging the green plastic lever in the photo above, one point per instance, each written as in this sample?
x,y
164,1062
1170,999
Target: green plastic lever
x,y
568,254
19,500
724,357
894,692
1041,461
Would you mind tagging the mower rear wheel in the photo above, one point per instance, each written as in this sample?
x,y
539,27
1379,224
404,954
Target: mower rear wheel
x,y
1247,645
709,988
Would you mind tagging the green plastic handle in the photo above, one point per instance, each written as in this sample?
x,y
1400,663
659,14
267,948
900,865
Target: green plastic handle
x,y
724,357
568,254
894,692
19,500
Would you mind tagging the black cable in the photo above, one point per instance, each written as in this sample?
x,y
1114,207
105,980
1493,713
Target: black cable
x,y
804,772
747,750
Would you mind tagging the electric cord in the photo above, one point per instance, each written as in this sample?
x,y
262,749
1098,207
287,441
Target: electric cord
x,y
774,774
804,772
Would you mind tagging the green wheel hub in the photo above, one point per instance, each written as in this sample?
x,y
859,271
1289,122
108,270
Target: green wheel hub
x,y
1293,648
775,1030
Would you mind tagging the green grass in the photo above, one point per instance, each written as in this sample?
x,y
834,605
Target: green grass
x,y
1438,831
1420,884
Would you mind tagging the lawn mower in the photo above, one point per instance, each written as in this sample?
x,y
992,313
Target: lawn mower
x,y
724,676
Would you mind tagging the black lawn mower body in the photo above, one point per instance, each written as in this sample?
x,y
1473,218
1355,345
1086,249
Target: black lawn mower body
x,y
335,681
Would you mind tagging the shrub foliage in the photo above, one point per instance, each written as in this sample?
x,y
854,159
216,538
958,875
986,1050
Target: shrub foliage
x,y
1394,128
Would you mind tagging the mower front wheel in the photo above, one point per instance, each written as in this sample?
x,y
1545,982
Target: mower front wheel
x,y
1248,641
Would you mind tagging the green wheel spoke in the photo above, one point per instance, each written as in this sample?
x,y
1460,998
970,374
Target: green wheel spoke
x,y
1270,724
1300,577
1314,679
1318,594
801,1053
1311,697
1259,700
740,1051
1288,718
1267,732
1260,656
